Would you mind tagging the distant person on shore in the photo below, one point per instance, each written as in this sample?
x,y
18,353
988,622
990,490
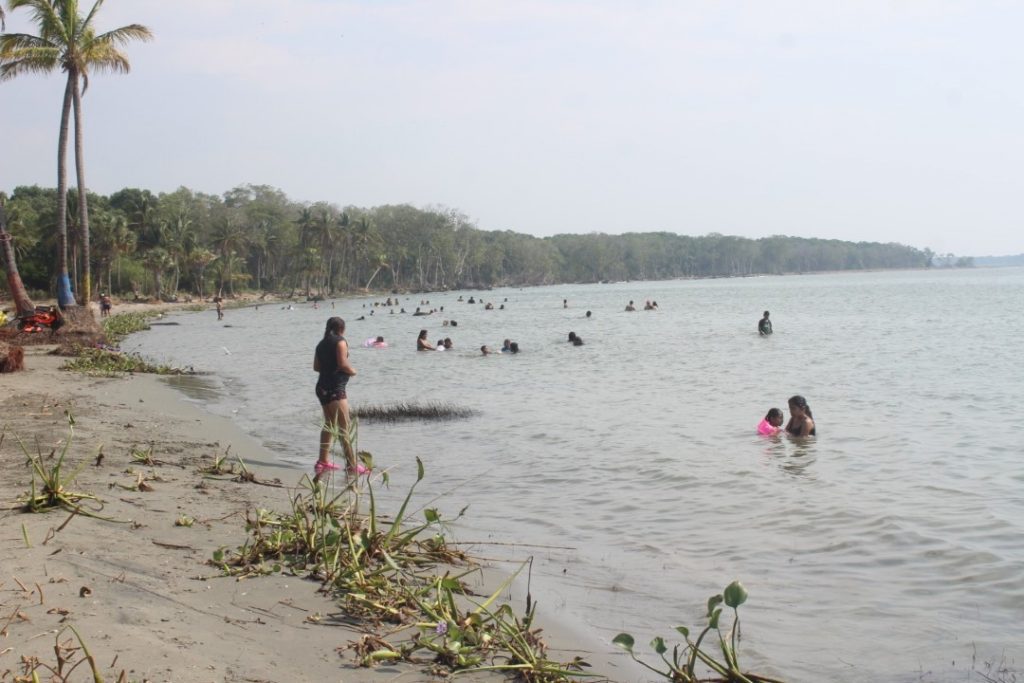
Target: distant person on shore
x,y
764,325
220,308
331,362
771,424
105,305
630,307
801,422
421,342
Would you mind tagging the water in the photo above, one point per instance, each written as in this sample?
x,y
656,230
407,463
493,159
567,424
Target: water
x,y
889,548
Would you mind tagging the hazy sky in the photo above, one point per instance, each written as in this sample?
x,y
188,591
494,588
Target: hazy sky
x,y
860,120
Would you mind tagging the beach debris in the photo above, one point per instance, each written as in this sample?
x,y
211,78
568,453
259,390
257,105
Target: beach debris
x,y
12,358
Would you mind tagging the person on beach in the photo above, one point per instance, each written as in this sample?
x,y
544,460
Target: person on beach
x,y
421,342
771,424
764,325
331,361
801,422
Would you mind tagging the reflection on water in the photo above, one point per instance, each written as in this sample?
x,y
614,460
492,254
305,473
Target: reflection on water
x,y
886,546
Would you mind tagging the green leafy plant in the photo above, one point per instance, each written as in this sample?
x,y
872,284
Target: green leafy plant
x,y
682,665
50,483
105,362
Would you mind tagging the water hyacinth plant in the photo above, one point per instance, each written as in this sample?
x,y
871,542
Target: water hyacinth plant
x,y
397,569
682,666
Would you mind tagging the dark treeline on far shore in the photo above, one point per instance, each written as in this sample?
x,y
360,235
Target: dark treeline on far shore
x,y
186,243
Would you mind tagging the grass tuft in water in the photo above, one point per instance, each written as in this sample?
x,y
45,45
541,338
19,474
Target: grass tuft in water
x,y
396,412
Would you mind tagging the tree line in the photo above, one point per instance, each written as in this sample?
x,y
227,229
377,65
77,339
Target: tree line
x,y
187,243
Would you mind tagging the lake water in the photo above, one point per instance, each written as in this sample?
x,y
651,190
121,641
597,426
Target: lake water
x,y
891,547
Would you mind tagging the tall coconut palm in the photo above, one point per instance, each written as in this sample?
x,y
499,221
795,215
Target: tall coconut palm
x,y
21,301
68,40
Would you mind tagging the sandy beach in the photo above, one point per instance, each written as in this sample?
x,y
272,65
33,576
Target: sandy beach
x,y
139,589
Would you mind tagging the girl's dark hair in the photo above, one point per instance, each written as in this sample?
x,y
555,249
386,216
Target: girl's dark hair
x,y
335,325
801,402
773,412
423,334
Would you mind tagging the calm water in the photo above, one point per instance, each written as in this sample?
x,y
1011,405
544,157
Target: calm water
x,y
889,548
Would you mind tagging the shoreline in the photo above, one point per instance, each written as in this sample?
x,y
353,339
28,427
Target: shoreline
x,y
139,590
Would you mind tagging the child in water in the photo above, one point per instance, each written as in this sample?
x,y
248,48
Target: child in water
x,y
771,424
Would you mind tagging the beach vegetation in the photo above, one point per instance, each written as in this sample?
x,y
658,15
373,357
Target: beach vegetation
x,y
51,482
107,363
690,662
70,654
397,569
119,326
409,410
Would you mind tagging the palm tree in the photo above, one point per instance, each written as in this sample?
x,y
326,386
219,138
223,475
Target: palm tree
x,y
21,301
68,40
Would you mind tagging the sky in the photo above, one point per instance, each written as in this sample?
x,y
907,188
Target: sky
x,y
895,121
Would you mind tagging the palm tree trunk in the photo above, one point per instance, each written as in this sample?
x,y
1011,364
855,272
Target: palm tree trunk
x,y
22,303
64,296
83,203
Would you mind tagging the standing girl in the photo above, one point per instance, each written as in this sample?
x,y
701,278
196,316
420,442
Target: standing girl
x,y
331,361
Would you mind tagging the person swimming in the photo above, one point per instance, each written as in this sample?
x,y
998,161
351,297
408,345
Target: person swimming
x,y
764,325
506,346
771,424
801,421
572,337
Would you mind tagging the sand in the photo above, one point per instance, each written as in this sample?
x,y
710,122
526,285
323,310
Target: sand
x,y
139,590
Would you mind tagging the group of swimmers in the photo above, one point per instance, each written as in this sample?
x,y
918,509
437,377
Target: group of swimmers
x,y
648,306
801,421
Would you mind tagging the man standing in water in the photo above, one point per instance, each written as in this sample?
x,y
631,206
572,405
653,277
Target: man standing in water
x,y
331,361
764,325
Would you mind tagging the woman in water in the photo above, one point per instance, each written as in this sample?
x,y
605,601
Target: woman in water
x,y
421,342
801,422
331,361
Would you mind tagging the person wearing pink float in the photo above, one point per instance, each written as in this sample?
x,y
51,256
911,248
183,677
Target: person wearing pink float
x,y
331,361
771,424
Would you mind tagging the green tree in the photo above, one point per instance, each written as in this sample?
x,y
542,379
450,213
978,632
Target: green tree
x,y
68,39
